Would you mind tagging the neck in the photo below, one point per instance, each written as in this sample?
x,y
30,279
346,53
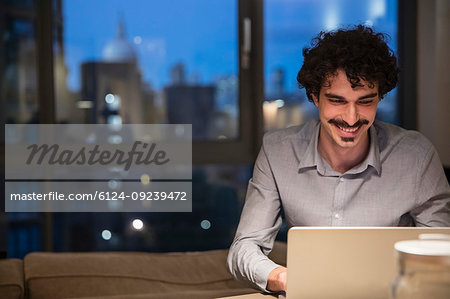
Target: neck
x,y
343,159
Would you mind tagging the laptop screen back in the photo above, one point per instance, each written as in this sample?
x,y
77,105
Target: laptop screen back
x,y
350,262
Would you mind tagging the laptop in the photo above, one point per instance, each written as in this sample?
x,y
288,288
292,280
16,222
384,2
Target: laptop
x,y
350,262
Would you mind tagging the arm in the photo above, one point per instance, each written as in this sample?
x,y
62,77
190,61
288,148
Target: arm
x,y
433,193
258,227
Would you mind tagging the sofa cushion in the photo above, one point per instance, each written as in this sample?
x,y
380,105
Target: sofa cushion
x,y
205,294
11,279
68,275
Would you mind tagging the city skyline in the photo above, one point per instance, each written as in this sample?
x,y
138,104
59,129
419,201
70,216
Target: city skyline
x,y
203,34
156,37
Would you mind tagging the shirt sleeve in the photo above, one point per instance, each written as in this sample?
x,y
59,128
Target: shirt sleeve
x,y
433,193
258,227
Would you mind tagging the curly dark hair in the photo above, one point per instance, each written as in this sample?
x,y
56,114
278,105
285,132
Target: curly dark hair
x,y
359,51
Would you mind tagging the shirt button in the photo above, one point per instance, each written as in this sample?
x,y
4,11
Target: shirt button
x,y
337,216
341,179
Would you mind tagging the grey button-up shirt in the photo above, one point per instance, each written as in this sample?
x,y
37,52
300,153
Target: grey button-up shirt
x,y
400,182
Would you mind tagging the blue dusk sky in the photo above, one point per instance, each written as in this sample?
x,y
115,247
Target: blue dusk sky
x,y
202,34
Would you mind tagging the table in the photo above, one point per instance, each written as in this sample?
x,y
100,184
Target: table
x,y
251,296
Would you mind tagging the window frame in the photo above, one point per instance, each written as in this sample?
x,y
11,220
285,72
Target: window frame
x,y
407,56
251,93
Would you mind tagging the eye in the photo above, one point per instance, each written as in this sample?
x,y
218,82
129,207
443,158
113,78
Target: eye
x,y
366,102
336,101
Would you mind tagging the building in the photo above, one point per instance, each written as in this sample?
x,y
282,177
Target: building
x,y
114,85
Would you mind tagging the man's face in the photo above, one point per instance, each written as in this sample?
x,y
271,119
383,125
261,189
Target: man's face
x,y
346,113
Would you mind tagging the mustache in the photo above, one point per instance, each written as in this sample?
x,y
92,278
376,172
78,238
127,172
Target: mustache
x,y
343,124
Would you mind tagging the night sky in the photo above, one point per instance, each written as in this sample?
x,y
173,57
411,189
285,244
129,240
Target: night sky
x,y
202,34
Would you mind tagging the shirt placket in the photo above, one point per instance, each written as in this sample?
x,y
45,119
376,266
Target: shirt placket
x,y
337,213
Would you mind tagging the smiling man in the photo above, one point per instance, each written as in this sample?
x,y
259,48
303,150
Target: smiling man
x,y
345,169
346,113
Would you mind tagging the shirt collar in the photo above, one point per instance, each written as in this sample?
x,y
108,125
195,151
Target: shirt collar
x,y
311,155
312,158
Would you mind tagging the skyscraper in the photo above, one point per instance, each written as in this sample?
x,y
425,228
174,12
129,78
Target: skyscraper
x,y
114,84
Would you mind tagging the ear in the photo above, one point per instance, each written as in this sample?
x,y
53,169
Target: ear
x,y
315,100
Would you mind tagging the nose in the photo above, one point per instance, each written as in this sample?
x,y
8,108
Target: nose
x,y
351,114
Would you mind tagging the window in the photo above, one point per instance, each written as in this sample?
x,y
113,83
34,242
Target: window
x,y
167,62
289,26
150,62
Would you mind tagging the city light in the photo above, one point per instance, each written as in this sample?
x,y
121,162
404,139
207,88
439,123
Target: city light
x,y
270,110
91,139
114,139
106,235
85,104
145,179
331,17
113,184
377,9
115,120
280,103
205,224
109,98
114,205
138,224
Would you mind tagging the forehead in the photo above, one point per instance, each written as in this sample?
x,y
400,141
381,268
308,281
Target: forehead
x,y
339,81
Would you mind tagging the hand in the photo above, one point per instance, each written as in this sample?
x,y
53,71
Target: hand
x,y
277,279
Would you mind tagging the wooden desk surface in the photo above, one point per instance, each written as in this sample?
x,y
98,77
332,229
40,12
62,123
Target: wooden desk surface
x,y
251,296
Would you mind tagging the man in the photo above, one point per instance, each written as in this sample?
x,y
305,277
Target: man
x,y
346,169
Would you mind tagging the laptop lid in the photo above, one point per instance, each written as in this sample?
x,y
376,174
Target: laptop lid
x,y
345,262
